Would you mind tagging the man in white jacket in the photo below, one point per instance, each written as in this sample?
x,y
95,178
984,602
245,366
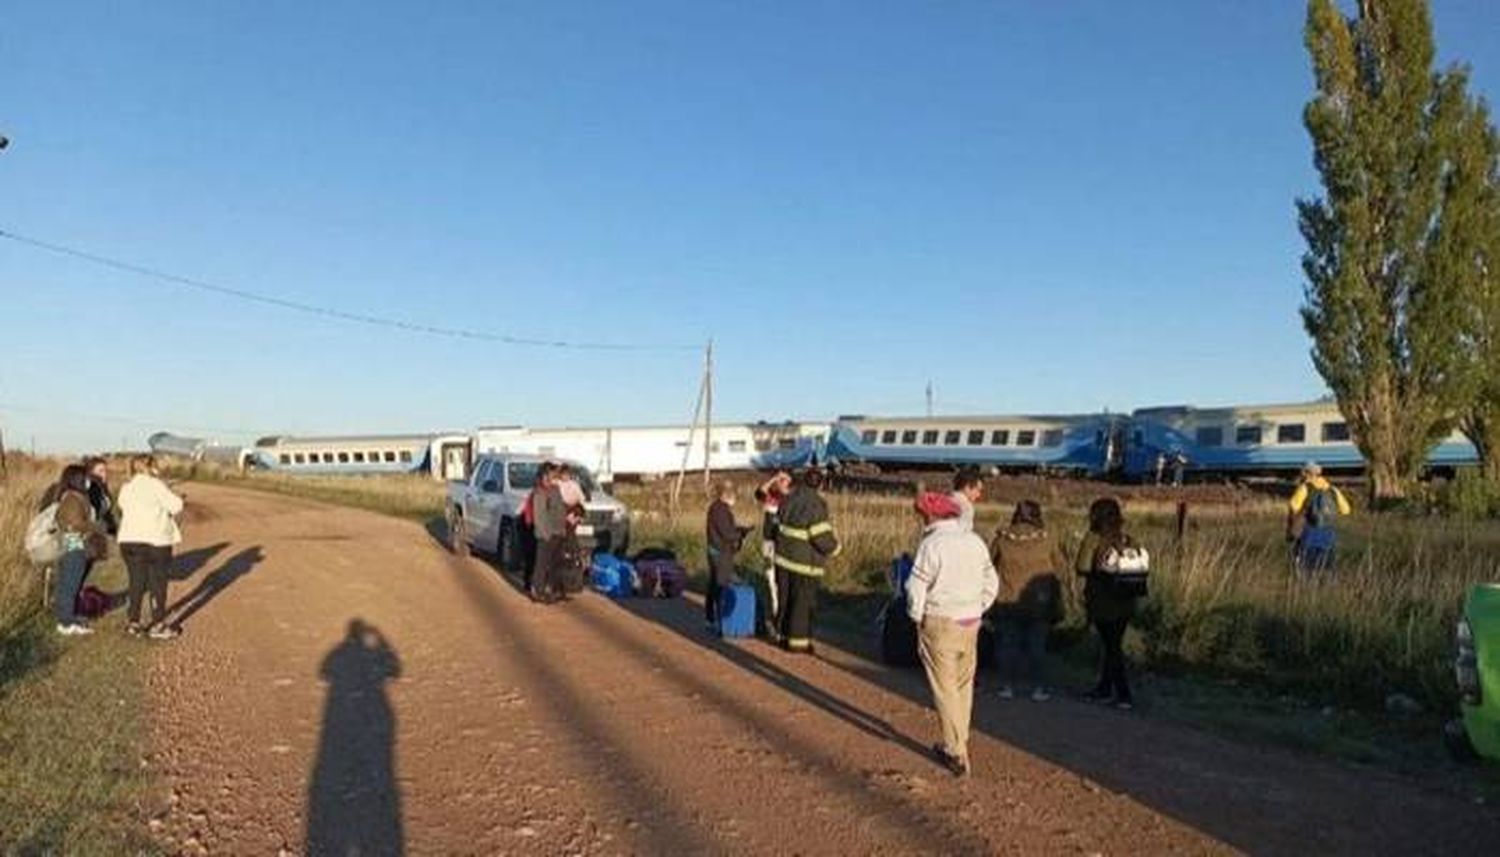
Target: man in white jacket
x,y
952,584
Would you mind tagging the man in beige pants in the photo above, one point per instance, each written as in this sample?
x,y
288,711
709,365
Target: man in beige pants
x,y
951,586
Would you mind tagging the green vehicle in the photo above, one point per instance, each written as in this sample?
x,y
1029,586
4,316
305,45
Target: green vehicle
x,y
1477,668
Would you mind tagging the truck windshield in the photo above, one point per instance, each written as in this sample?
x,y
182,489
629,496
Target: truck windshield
x,y
522,476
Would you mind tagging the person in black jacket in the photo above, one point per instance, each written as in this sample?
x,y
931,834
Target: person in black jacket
x,y
724,539
100,497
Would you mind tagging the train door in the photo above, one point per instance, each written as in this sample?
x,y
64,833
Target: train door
x,y
454,458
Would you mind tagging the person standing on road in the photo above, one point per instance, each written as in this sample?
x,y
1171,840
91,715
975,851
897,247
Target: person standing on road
x,y
148,532
83,540
551,532
724,540
1030,563
528,528
967,489
568,574
1314,506
770,495
805,541
1108,608
951,586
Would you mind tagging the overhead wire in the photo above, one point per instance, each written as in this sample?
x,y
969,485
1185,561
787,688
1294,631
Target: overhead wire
x,y
333,312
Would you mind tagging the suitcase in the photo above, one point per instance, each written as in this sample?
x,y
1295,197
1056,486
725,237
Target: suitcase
x,y
660,578
898,635
737,610
612,576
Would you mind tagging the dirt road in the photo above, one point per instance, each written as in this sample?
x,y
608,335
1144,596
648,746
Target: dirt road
x,y
344,686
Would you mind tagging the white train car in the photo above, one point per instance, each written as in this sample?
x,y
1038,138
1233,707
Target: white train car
x,y
651,451
443,456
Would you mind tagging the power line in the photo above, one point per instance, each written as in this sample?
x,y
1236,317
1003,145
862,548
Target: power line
x,y
330,312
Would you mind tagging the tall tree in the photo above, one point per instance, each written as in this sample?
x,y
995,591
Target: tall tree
x,y
1391,328
1481,158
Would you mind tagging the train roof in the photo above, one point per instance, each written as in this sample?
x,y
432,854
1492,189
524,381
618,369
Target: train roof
x,y
962,419
1271,409
329,440
760,424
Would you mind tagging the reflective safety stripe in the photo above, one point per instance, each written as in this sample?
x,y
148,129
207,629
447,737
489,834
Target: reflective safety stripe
x,y
820,528
798,643
797,567
797,533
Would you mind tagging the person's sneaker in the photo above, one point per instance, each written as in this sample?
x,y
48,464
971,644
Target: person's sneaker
x,y
1040,694
164,632
74,629
1006,692
1124,705
134,630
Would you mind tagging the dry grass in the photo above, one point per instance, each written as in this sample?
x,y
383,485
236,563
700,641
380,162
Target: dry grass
x,y
71,711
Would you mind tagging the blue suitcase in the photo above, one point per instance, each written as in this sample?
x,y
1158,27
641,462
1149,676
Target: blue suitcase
x,y
737,610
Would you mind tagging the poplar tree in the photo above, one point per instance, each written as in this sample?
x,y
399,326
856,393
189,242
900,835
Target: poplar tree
x,y
1392,327
1481,419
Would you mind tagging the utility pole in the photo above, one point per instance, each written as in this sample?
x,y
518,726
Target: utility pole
x,y
708,414
705,393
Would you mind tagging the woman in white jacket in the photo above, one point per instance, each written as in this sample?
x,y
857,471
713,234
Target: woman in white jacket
x,y
148,532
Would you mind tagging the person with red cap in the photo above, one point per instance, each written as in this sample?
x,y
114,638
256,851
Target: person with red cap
x,y
952,584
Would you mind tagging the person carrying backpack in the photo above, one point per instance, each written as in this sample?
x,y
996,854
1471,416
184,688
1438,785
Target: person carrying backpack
x,y
1313,508
83,540
148,532
1113,568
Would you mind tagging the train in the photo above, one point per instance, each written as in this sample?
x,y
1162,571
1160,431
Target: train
x,y
1241,441
1202,444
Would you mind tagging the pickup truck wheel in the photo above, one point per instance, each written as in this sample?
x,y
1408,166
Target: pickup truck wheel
x,y
458,540
1456,742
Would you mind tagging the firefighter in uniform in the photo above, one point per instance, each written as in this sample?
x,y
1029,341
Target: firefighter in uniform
x,y
805,541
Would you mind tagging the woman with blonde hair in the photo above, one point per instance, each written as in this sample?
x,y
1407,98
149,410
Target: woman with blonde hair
x,y
148,532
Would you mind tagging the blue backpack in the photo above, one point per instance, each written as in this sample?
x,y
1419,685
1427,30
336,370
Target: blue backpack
x,y
1322,507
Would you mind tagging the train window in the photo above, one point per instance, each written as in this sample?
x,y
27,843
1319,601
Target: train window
x,y
343,458
762,445
953,437
372,457
736,446
285,458
1000,437
299,458
929,437
1335,432
1052,437
868,436
359,458
1247,435
390,455
888,436
909,436
1210,435
327,458
1026,437
713,447
406,456
787,443
976,437
1292,433
1138,437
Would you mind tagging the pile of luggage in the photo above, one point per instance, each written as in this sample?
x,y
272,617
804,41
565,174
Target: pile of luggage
x,y
651,573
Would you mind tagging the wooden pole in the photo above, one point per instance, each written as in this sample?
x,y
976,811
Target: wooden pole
x,y
4,470
708,415
687,449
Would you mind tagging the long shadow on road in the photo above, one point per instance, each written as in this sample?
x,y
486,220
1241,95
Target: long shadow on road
x,y
214,584
353,801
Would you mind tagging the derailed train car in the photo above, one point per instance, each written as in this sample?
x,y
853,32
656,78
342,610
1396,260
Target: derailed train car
x,y
1080,445
198,449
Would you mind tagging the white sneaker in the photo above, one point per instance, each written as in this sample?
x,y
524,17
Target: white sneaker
x,y
1006,692
1040,695
164,632
74,629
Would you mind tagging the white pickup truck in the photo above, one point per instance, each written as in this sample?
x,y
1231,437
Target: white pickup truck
x,y
484,511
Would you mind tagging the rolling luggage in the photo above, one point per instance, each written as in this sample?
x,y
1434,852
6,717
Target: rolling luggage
x,y
612,576
898,635
737,610
659,574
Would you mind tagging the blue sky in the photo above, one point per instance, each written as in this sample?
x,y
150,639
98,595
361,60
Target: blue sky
x,y
1038,206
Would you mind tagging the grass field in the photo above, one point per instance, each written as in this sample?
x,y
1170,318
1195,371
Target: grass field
x,y
72,721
